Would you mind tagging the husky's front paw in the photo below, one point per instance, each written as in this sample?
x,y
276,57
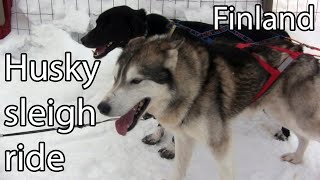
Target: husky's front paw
x,y
151,139
155,137
293,158
166,153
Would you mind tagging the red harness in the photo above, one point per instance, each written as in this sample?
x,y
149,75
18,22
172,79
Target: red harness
x,y
274,72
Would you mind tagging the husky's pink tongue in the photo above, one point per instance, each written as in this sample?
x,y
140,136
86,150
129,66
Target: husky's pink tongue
x,y
124,122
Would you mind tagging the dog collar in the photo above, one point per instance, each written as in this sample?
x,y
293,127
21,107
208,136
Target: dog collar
x,y
172,27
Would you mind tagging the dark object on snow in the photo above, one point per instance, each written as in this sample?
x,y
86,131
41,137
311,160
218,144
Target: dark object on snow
x,y
5,17
282,135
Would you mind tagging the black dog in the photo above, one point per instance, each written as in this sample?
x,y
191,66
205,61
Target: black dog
x,y
116,26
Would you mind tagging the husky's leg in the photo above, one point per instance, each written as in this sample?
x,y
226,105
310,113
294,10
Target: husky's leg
x,y
155,137
184,147
223,154
297,157
168,151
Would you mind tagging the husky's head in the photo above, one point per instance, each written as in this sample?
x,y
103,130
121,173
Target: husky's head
x,y
143,80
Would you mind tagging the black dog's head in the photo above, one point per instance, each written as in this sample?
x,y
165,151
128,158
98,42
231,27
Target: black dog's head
x,y
115,27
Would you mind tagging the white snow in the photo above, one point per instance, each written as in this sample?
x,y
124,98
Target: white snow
x,y
100,153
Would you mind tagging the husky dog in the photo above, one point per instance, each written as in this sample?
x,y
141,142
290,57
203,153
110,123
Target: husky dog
x,y
196,91
116,26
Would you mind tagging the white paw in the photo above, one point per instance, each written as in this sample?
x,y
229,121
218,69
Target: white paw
x,y
154,138
151,139
293,158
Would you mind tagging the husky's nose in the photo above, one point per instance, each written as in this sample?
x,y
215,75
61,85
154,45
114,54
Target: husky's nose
x,y
104,108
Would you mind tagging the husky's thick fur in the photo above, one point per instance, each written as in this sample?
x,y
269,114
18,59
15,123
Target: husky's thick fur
x,y
196,92
116,26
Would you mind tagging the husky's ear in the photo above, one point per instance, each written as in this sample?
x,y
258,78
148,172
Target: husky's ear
x,y
172,53
136,42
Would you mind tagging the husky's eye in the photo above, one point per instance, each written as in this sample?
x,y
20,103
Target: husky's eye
x,y
135,81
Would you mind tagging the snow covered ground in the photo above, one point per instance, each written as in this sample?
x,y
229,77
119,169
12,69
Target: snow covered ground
x,y
100,153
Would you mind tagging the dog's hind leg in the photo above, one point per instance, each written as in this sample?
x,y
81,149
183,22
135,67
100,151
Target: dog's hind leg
x,y
297,157
223,154
184,147
155,137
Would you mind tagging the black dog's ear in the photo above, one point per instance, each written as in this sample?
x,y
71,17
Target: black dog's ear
x,y
137,23
142,14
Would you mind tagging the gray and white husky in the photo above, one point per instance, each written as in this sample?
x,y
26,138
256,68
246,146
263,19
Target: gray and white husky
x,y
196,91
